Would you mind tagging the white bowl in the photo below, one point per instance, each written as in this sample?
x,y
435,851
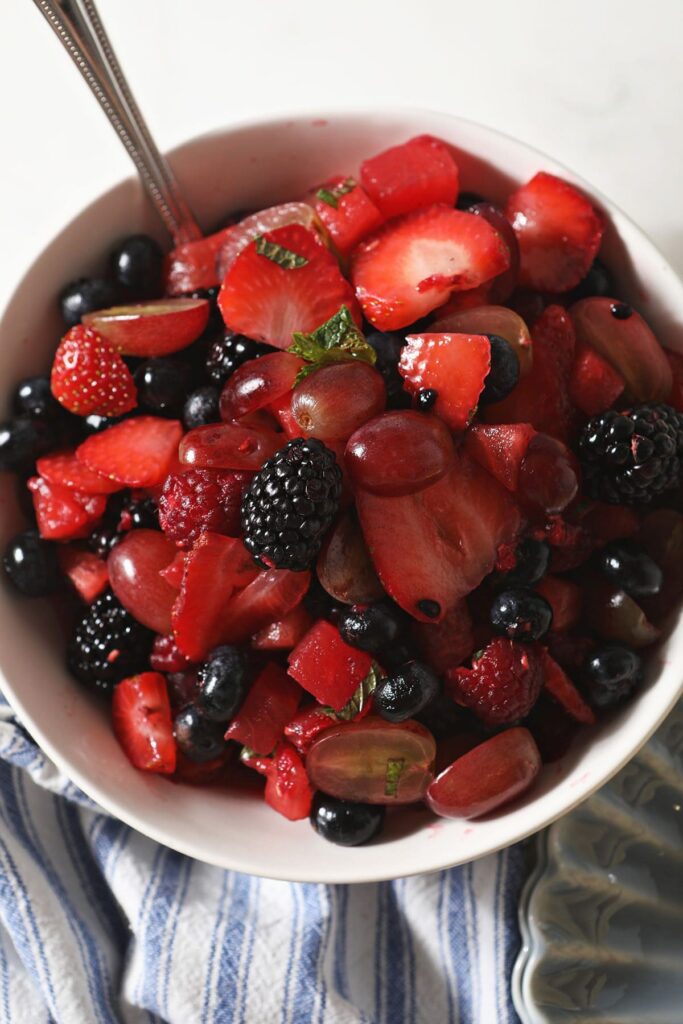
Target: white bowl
x,y
252,166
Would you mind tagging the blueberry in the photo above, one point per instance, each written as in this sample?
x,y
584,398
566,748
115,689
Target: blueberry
x,y
344,822
425,399
631,568
468,199
22,440
140,514
611,674
137,264
161,384
198,738
85,296
33,398
31,564
230,351
319,604
598,281
222,683
504,373
621,311
372,628
387,346
532,558
406,692
94,423
201,407
521,614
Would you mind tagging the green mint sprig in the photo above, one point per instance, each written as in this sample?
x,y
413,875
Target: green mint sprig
x,y
338,340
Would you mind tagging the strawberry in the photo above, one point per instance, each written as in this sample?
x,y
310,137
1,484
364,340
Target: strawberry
x,y
447,643
271,703
347,211
431,548
455,365
269,302
271,595
411,265
503,684
408,177
284,634
594,385
62,513
500,449
559,233
328,667
192,266
89,376
66,468
288,790
564,597
213,570
306,725
561,689
85,570
137,452
141,718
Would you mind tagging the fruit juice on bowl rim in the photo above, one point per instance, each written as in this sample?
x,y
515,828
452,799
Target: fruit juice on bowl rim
x,y
252,167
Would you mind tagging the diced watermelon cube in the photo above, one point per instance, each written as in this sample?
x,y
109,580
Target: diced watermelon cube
x,y
87,572
270,704
288,790
327,667
407,177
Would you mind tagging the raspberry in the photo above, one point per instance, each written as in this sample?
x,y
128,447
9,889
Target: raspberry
x,y
503,684
199,500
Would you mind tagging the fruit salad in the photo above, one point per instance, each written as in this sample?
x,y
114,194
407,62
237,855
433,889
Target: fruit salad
x,y
372,497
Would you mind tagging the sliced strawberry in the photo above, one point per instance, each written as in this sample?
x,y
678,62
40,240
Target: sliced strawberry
x,y
500,449
307,724
269,302
561,689
271,595
62,513
285,633
214,569
541,398
564,598
166,656
137,452
141,718
455,365
85,570
270,704
411,266
288,790
66,469
89,376
594,385
192,267
448,643
154,328
432,548
328,667
347,211
559,233
676,363
416,174
173,573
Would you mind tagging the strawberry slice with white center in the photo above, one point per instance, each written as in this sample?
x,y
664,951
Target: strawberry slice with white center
x,y
141,718
66,468
138,452
411,266
454,365
284,281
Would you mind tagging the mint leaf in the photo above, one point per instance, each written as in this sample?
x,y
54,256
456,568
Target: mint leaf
x,y
338,340
395,769
359,698
331,196
284,258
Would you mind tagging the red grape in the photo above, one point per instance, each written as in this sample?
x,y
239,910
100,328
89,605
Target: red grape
x,y
345,568
548,476
399,453
228,446
134,566
335,400
257,383
492,320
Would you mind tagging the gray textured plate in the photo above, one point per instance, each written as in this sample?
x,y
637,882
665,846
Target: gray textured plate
x,y
602,913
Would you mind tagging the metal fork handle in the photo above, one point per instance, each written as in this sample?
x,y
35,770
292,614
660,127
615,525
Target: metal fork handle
x,y
77,25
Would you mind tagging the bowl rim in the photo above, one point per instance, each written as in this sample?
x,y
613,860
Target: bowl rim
x,y
585,786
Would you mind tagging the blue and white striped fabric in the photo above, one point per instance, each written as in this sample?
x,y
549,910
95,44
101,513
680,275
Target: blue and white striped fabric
x,y
100,925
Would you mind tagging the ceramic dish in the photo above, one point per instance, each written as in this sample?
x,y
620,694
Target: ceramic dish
x,y
602,914
249,167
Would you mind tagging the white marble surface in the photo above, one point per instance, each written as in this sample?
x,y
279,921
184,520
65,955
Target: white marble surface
x,y
598,85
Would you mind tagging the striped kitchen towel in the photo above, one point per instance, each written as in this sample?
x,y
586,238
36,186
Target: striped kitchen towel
x,y
99,925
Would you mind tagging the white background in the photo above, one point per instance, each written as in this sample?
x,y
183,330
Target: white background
x,y
596,83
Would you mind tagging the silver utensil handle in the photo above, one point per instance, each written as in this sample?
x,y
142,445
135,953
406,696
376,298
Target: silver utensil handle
x,y
78,27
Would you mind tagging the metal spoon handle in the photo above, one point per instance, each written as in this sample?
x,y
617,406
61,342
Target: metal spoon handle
x,y
78,27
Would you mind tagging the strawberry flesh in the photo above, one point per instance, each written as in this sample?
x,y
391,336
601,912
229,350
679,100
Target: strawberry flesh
x,y
327,667
141,718
500,449
63,513
85,570
417,173
270,704
66,469
288,790
455,365
353,218
137,452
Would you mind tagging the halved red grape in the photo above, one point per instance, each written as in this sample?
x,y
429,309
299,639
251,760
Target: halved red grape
x,y
134,566
228,446
240,235
345,568
373,761
501,287
487,319
399,453
258,383
548,476
335,400
621,335
486,777
154,328
614,615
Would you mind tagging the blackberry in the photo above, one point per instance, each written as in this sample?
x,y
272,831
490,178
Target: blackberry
x,y
108,645
230,351
290,504
630,457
